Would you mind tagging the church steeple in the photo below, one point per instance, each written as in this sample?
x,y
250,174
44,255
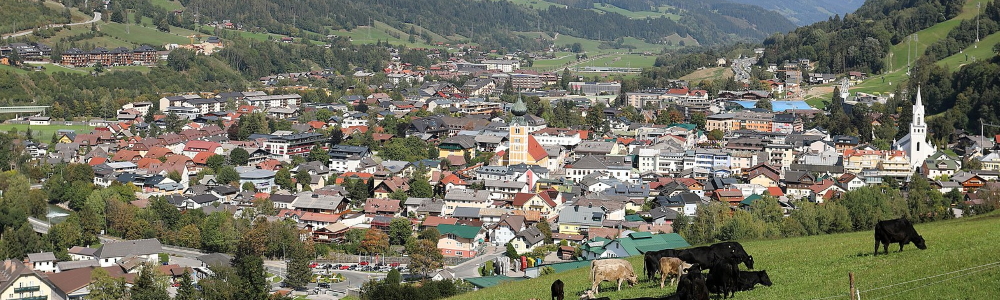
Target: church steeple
x,y
918,110
519,110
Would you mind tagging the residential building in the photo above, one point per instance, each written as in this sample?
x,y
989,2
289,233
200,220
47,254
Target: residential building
x,y
459,240
17,281
147,250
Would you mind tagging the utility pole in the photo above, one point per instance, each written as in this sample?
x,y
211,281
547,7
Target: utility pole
x,y
978,6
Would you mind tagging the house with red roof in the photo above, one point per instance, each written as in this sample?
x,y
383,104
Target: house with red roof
x,y
544,202
192,148
380,206
825,190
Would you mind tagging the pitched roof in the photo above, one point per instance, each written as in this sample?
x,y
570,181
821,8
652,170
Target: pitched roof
x,y
461,231
435,221
531,235
129,247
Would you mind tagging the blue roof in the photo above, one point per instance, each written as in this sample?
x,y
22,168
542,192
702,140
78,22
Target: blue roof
x,y
776,106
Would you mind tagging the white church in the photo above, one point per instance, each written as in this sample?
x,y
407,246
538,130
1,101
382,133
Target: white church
x,y
915,144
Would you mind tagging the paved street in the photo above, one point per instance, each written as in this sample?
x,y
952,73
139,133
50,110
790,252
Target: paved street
x,y
97,17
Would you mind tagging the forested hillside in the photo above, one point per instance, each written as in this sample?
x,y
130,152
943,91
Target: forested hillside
x,y
494,23
805,12
20,15
859,41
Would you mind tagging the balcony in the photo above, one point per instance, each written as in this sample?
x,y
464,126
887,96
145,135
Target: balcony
x,y
26,289
33,298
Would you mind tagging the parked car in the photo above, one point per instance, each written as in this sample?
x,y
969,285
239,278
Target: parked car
x,y
344,267
324,285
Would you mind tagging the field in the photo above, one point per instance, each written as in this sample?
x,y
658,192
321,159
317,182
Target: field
x,y
716,73
625,61
817,267
43,133
660,12
167,4
140,35
984,51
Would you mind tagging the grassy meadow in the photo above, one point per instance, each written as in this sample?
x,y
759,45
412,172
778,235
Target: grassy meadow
x,y
817,267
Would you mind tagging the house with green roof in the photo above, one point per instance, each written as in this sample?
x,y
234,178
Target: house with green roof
x,y
635,243
489,281
460,240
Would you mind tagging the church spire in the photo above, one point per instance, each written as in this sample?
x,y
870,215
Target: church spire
x,y
519,110
918,110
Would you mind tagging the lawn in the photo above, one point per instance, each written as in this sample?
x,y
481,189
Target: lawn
x,y
897,55
167,4
536,4
44,133
716,73
660,12
817,267
625,61
984,51
140,35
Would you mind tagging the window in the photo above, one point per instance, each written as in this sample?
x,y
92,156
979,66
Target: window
x,y
458,253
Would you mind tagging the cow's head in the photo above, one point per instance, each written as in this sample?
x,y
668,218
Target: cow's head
x,y
632,280
919,241
764,279
749,261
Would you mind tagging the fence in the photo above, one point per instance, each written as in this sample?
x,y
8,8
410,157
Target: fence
x,y
855,294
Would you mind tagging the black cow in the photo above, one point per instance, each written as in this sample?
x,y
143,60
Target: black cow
x,y
692,286
709,256
724,279
747,281
651,260
557,290
897,231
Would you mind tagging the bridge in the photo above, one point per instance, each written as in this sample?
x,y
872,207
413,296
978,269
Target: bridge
x,y
23,109
39,226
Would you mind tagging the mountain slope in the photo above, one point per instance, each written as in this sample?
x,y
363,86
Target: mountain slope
x,y
805,12
495,23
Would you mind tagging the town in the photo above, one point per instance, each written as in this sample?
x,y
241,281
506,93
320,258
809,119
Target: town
x,y
324,163
494,180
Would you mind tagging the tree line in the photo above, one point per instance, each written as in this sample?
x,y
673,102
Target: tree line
x,y
857,210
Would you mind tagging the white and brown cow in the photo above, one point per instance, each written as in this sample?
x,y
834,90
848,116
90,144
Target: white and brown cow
x,y
613,270
672,267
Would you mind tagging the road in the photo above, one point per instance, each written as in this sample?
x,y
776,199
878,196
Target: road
x,y
39,225
97,17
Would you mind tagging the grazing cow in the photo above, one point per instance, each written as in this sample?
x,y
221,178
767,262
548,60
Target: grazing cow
x,y
589,295
897,231
692,286
611,270
651,260
670,266
747,281
557,290
725,278
709,256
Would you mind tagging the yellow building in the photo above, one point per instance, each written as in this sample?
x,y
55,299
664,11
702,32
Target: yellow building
x,y
20,282
457,145
524,149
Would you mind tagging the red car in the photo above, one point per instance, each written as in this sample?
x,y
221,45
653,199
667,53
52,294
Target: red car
x,y
345,267
363,263
395,264
313,265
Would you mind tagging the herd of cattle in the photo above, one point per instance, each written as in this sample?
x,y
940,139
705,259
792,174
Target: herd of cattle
x,y
722,262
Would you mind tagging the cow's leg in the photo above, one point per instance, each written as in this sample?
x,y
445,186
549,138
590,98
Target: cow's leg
x,y
885,247
596,287
900,246
663,277
876,247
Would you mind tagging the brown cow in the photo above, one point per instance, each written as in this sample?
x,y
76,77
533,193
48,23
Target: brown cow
x,y
672,266
611,270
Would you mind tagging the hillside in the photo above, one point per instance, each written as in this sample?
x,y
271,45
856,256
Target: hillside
x,y
495,23
805,12
22,14
817,267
